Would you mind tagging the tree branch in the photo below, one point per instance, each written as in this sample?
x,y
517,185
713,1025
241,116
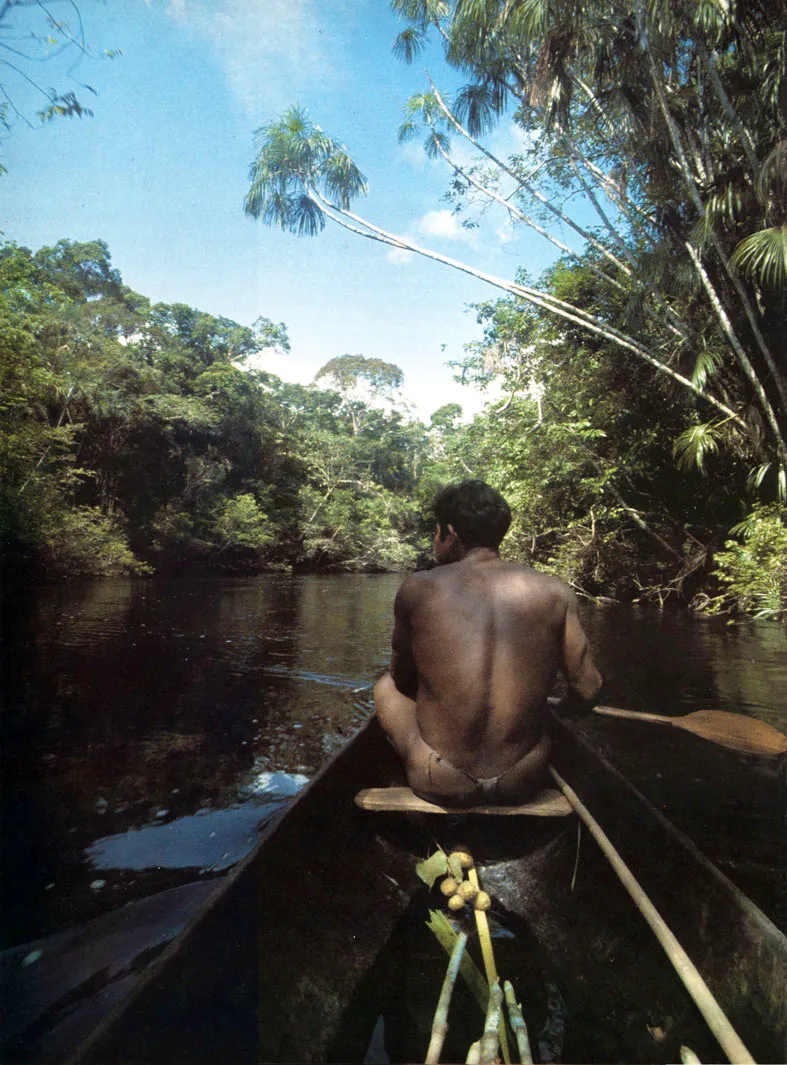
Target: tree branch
x,y
541,299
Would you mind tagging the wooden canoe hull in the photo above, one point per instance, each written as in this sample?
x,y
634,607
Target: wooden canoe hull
x,y
291,961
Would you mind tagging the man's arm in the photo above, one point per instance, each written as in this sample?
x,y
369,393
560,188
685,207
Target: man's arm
x,y
402,668
584,680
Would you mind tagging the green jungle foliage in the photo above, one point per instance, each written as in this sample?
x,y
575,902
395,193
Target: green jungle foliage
x,y
754,574
645,373
137,438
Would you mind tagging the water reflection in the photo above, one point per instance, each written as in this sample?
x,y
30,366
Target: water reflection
x,y
208,841
672,662
126,699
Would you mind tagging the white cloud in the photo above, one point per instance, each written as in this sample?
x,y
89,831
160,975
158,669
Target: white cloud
x,y
266,47
398,256
444,224
412,153
505,232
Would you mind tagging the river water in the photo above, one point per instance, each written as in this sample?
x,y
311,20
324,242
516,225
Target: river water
x,y
152,726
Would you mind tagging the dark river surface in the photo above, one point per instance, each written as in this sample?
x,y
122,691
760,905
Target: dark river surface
x,y
152,726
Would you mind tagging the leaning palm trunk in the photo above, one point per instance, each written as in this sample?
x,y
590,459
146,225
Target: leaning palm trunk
x,y
529,187
710,62
516,214
743,358
355,224
672,323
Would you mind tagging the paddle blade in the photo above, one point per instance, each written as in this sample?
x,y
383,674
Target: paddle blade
x,y
735,731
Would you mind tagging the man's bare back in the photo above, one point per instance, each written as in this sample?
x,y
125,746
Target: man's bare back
x,y
477,646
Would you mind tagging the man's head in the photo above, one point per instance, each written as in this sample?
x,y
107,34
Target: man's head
x,y
477,513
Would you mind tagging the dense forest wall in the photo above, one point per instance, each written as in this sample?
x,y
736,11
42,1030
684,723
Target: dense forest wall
x,y
139,439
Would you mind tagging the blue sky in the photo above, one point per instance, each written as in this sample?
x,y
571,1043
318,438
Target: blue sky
x,y
160,173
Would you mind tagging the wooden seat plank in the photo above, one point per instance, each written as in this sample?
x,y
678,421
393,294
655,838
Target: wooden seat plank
x,y
545,803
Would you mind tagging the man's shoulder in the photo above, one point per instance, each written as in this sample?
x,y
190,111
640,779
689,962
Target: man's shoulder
x,y
424,583
413,584
413,580
534,575
534,581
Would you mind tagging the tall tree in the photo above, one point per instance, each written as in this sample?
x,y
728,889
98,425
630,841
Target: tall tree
x,y
362,383
666,121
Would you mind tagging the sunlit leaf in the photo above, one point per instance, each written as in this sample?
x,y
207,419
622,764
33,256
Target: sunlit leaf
x,y
455,867
441,928
693,445
708,360
763,257
433,867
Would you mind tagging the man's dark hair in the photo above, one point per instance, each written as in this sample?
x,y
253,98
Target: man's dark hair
x,y
479,514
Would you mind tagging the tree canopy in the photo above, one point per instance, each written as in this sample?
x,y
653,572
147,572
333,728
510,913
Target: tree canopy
x,y
667,121
138,438
640,436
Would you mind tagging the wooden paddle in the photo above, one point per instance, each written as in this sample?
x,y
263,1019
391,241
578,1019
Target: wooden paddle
x,y
735,731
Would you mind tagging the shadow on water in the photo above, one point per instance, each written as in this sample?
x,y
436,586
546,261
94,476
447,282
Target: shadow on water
x,y
141,717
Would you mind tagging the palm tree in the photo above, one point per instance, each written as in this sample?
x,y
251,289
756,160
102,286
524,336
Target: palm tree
x,y
658,116
298,171
301,177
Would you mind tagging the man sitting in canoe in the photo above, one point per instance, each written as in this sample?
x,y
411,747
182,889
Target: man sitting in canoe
x,y
476,648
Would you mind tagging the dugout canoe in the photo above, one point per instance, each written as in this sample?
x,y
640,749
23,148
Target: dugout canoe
x,y
316,949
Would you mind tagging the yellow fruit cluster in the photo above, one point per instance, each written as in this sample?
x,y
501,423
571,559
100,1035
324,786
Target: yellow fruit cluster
x,y
461,892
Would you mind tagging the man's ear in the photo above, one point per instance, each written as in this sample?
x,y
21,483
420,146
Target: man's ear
x,y
452,532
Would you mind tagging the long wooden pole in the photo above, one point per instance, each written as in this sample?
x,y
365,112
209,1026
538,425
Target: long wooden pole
x,y
715,1018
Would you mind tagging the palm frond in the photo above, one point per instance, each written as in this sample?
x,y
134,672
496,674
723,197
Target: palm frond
x,y
436,144
694,444
306,217
276,210
536,15
420,11
708,360
772,178
756,476
478,107
409,43
763,257
343,180
713,18
725,205
408,131
422,107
